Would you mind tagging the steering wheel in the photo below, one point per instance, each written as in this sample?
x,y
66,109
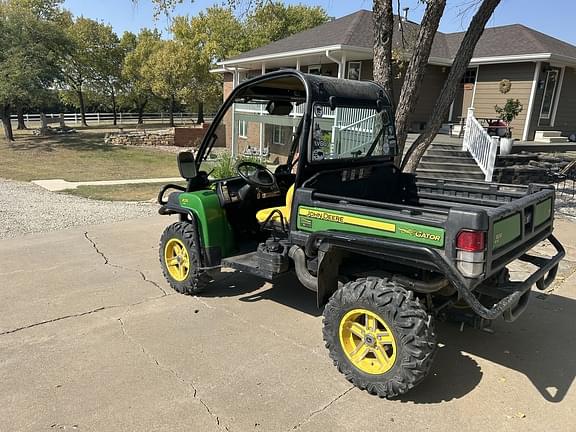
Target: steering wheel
x,y
256,175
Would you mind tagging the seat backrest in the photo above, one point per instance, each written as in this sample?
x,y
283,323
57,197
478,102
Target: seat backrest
x,y
289,197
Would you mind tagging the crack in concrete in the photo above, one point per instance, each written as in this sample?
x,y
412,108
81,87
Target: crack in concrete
x,y
107,262
192,388
80,314
324,408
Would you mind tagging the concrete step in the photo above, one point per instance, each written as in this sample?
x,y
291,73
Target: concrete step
x,y
440,173
446,146
445,153
450,167
463,160
550,140
546,134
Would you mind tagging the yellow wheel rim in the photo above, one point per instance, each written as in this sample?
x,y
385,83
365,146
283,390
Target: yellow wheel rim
x,y
177,259
367,341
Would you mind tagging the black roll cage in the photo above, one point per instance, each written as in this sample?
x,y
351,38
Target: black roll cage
x,y
321,89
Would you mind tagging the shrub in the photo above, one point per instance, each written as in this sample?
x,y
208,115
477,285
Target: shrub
x,y
226,165
509,111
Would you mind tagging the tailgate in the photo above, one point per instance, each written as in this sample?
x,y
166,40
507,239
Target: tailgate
x,y
518,226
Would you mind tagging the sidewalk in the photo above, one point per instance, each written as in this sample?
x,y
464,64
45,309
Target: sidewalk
x,y
57,185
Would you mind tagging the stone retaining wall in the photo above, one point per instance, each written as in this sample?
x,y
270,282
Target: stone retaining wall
x,y
178,136
525,168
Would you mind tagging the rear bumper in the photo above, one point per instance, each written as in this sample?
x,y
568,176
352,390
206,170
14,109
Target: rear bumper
x,y
514,295
517,292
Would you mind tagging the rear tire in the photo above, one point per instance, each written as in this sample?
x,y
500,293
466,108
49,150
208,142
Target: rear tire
x,y
379,336
180,261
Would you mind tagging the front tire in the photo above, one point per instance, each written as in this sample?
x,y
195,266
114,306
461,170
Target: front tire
x,y
379,336
180,261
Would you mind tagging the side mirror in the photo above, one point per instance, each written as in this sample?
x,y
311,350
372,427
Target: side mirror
x,y
187,165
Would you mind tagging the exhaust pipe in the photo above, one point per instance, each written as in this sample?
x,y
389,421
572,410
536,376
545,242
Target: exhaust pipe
x,y
299,257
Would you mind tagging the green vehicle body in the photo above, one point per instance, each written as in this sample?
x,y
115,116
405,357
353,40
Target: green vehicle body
x,y
415,235
385,252
213,225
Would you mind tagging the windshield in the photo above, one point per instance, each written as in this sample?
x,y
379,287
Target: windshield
x,y
351,133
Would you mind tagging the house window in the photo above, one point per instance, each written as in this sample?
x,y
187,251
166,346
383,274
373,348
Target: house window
x,y
242,129
354,70
315,69
278,135
549,93
469,76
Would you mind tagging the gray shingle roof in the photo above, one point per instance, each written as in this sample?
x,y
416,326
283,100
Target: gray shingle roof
x,y
356,30
514,39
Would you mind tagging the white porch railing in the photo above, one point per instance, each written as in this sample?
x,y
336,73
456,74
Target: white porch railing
x,y
481,146
354,136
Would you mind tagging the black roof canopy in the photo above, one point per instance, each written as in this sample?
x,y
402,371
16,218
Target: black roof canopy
x,y
295,85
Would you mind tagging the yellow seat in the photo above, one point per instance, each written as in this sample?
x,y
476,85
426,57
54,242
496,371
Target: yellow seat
x,y
263,214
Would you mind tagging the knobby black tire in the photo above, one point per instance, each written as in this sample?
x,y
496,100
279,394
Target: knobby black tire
x,y
197,280
411,325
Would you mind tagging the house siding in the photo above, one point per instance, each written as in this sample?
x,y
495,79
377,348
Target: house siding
x,y
488,92
430,90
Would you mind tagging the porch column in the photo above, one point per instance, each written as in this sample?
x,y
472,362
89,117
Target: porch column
x,y
263,68
234,149
531,102
342,67
261,119
298,64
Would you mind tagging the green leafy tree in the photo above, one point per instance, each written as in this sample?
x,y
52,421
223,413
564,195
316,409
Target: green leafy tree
x,y
31,48
106,69
170,69
209,37
272,21
137,84
94,58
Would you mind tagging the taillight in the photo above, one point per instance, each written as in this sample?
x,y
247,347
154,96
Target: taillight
x,y
470,255
470,241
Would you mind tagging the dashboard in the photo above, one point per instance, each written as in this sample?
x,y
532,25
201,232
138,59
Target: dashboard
x,y
236,190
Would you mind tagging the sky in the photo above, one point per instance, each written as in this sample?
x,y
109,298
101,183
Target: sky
x,y
553,17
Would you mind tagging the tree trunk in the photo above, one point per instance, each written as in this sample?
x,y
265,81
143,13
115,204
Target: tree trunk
x,y
172,104
416,70
140,107
383,29
200,113
448,92
20,114
6,123
114,108
82,107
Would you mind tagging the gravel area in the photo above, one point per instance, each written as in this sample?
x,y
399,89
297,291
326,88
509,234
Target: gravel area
x,y
27,208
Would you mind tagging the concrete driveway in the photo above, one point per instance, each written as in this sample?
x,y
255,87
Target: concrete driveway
x,y
93,339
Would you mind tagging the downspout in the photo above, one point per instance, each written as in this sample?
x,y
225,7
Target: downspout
x,y
340,63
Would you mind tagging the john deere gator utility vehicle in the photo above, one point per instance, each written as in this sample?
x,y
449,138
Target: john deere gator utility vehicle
x,y
385,252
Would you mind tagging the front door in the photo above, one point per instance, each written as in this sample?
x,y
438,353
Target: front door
x,y
464,95
549,96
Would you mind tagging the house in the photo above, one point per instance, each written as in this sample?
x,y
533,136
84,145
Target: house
x,y
511,61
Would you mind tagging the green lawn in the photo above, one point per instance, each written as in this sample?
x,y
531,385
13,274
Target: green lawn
x,y
131,192
81,157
